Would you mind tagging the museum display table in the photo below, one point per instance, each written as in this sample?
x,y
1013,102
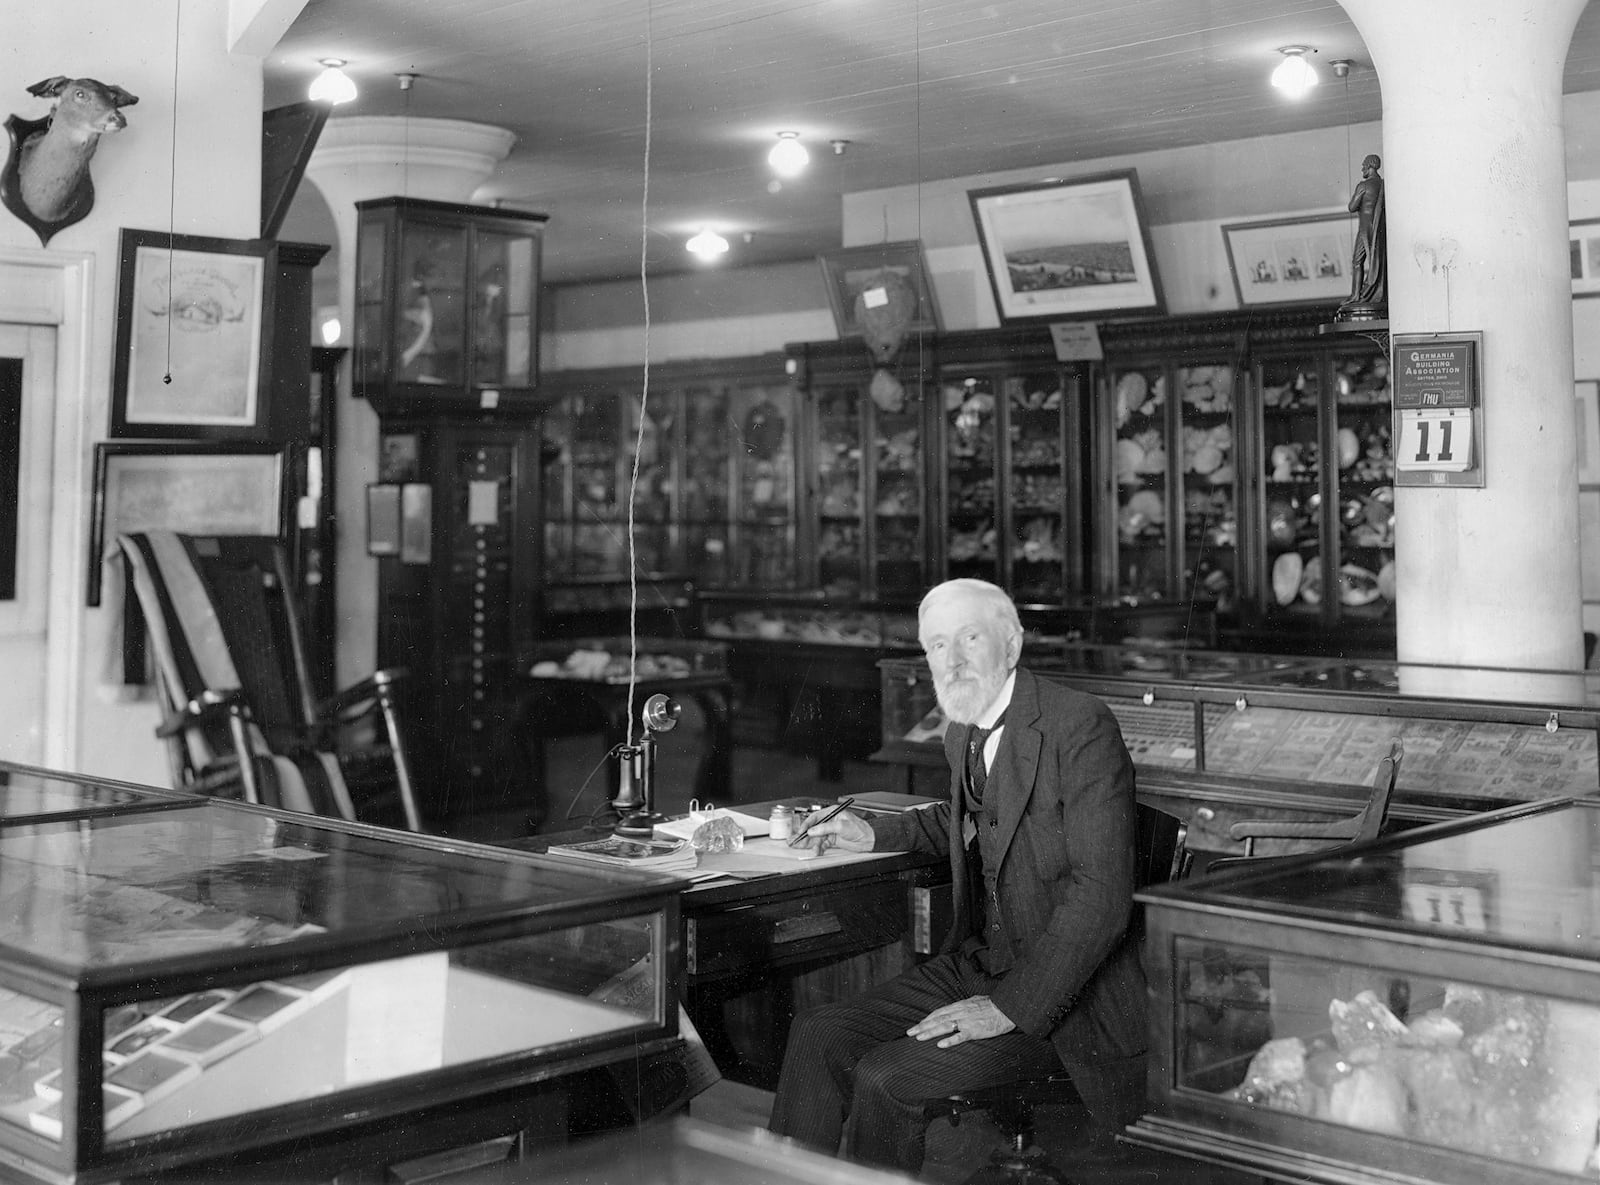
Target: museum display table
x,y
1424,1008
195,987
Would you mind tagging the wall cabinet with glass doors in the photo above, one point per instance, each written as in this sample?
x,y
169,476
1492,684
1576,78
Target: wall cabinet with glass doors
x,y
1169,514
1326,472
715,499
1012,470
865,453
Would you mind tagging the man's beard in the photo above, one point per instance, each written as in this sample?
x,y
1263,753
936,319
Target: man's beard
x,y
963,698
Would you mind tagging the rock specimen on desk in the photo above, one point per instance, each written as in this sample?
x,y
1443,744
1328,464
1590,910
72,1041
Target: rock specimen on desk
x,y
721,834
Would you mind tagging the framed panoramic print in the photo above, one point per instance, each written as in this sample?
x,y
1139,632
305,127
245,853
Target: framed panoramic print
x,y
1068,249
201,487
1291,260
193,338
856,276
1583,242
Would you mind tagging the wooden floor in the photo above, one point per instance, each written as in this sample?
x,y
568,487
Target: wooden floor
x,y
955,1152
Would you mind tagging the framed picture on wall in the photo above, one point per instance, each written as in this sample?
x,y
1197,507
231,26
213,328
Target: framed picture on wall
x,y
1068,249
1583,244
193,338
1291,260
862,278
202,487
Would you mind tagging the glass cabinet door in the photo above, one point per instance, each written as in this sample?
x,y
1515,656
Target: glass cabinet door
x,y
1291,456
972,547
1207,398
839,553
1140,542
899,490
763,555
1043,527
1362,427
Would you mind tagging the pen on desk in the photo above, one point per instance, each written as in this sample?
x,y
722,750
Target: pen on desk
x,y
804,831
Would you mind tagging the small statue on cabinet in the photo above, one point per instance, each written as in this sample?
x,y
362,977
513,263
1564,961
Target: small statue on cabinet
x,y
1369,269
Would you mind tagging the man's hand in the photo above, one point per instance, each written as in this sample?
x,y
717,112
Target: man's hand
x,y
847,832
971,1019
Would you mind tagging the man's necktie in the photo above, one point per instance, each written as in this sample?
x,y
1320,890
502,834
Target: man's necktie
x,y
977,771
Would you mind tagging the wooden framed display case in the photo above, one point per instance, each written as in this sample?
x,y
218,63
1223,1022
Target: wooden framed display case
x,y
716,503
1013,473
1221,737
867,510
446,307
193,980
1171,490
1424,1008
1325,509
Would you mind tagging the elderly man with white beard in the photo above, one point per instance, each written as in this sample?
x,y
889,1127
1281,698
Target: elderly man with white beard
x,y
1040,971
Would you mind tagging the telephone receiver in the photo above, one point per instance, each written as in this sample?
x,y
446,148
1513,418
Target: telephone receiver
x,y
661,713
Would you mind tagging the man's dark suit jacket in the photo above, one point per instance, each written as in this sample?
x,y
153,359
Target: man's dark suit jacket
x,y
1066,882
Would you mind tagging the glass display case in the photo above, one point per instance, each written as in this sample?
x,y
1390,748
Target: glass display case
x,y
28,793
865,455
716,493
446,306
1013,477
1253,720
1327,469
1170,527
187,980
1424,1008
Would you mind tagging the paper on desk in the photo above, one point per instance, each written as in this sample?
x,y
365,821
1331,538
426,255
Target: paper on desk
x,y
775,855
684,828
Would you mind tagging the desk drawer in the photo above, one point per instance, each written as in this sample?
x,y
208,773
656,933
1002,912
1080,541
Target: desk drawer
x,y
829,924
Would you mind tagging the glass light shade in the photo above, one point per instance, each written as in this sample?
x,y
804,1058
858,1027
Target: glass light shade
x,y
331,329
708,244
788,156
1294,75
333,85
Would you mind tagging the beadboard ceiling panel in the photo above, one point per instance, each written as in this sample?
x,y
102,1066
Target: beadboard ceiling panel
x,y
922,90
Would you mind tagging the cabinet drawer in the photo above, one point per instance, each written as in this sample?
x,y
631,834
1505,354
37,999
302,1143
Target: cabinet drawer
x,y
831,924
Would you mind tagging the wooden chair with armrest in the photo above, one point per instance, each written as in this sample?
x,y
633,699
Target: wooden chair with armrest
x,y
241,717
1163,854
1293,838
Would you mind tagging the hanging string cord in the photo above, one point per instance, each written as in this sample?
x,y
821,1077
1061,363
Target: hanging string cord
x,y
644,391
172,178
917,82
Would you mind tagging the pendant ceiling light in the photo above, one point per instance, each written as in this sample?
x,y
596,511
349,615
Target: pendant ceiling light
x,y
333,85
707,245
1294,75
788,157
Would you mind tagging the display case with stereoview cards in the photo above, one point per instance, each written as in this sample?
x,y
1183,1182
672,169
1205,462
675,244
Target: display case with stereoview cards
x,y
184,979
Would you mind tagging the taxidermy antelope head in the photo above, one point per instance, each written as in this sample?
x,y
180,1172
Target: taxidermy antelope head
x,y
46,181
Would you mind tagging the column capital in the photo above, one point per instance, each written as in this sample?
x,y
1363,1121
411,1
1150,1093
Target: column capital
x,y
368,156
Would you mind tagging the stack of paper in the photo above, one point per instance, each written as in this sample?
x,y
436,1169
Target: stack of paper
x,y
657,855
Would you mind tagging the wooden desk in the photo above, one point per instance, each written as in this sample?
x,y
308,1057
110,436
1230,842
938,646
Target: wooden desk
x,y
757,951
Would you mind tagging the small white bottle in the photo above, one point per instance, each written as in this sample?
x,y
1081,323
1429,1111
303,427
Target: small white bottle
x,y
781,821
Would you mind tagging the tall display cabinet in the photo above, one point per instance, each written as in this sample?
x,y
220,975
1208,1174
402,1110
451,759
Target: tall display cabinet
x,y
1011,471
446,351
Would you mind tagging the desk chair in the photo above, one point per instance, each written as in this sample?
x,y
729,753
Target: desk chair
x,y
1297,837
230,662
1163,855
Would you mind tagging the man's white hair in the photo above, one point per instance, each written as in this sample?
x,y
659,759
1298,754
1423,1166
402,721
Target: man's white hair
x,y
991,596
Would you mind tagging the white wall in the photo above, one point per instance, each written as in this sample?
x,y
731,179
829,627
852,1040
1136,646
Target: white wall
x,y
200,175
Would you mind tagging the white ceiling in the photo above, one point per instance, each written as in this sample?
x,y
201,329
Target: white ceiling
x,y
921,89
